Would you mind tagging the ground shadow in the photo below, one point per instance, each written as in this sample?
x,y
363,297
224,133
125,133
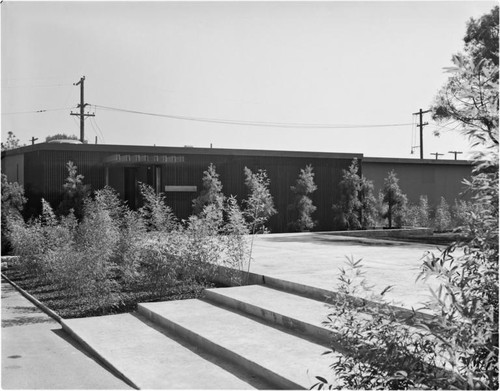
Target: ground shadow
x,y
331,240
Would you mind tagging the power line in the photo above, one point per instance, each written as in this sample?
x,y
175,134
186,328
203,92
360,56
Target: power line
x,y
253,123
37,111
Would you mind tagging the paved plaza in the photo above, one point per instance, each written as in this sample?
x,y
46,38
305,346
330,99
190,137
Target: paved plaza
x,y
314,259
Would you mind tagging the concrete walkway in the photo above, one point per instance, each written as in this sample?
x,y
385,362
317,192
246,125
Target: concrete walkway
x,y
314,259
37,353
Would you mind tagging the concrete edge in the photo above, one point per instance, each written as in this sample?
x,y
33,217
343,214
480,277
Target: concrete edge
x,y
94,353
300,328
324,295
309,291
215,349
33,300
71,332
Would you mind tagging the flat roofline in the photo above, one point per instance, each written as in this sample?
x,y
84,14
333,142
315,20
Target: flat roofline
x,y
388,160
114,148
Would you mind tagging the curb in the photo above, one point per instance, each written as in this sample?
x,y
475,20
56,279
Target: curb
x,y
33,300
93,353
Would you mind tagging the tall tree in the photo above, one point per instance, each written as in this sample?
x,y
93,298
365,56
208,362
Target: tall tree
x,y
302,205
467,298
211,193
481,37
469,98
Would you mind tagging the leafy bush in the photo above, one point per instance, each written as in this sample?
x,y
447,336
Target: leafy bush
x,y
157,215
442,218
418,215
112,251
13,202
302,206
379,349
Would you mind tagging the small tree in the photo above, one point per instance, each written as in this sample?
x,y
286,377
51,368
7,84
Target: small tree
x,y
11,143
75,192
442,220
423,212
394,199
368,204
347,210
259,206
302,205
156,214
211,193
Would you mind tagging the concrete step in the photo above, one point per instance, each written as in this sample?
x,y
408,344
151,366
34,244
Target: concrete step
x,y
301,315
285,360
149,359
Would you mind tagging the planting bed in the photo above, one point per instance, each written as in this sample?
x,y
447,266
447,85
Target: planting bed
x,y
67,305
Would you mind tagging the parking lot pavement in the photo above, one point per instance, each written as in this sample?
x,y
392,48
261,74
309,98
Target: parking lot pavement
x,y
38,354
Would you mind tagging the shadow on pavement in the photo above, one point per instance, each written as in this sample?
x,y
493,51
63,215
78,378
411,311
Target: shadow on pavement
x,y
333,240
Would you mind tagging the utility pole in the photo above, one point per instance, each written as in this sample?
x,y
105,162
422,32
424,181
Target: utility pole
x,y
421,126
33,139
82,105
437,154
455,153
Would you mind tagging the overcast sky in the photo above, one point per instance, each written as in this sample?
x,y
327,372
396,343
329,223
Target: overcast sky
x,y
334,63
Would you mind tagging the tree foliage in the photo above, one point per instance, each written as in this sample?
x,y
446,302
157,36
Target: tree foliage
x,y
75,192
394,200
469,99
357,205
467,299
12,142
302,206
13,201
259,206
211,193
61,136
481,37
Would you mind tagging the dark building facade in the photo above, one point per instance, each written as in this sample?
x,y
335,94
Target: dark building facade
x,y
178,173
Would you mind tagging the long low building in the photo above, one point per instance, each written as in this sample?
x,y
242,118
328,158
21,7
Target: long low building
x,y
178,173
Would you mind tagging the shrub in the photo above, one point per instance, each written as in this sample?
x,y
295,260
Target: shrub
x,y
302,206
418,215
378,351
13,202
442,219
